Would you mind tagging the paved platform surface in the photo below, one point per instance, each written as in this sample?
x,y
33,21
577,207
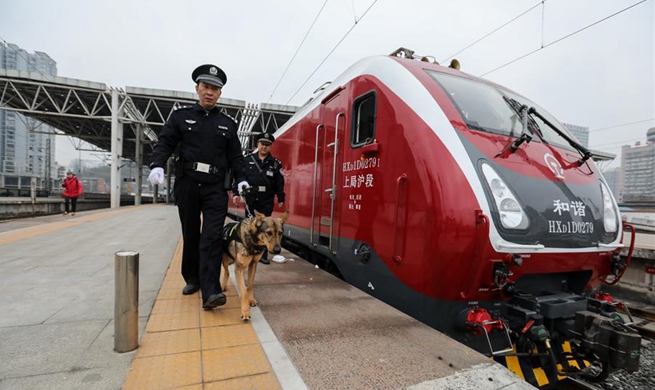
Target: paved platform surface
x,y
310,331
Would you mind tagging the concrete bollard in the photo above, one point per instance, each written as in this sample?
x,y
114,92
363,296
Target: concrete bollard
x,y
126,302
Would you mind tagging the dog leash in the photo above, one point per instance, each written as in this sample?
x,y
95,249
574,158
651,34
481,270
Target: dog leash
x,y
243,194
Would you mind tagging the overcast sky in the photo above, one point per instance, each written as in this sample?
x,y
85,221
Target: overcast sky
x,y
603,76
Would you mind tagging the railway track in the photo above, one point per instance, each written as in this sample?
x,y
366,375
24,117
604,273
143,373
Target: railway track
x,y
647,313
575,384
643,317
645,332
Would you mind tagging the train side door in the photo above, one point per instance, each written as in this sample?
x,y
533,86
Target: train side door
x,y
328,153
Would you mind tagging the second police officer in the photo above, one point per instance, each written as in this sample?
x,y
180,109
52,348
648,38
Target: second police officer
x,y
205,140
265,177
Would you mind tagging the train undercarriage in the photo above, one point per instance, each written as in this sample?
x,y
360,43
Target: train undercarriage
x,y
548,327
543,331
553,336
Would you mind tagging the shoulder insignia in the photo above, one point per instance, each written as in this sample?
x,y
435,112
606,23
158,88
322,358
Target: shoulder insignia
x,y
227,115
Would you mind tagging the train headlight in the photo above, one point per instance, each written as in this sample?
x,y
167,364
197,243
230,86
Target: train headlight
x,y
610,219
498,187
510,213
509,209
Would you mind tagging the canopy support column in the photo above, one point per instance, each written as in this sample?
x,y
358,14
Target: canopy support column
x,y
116,151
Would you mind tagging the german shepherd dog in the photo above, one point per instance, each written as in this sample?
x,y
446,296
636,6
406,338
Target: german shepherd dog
x,y
243,245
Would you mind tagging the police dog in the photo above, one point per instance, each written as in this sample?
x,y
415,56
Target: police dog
x,y
243,245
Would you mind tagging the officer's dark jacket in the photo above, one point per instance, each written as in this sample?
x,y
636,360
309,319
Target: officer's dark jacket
x,y
271,176
198,135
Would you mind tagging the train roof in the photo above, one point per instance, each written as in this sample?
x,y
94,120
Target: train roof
x,y
374,66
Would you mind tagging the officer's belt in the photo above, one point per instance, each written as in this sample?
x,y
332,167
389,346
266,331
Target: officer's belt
x,y
201,167
253,189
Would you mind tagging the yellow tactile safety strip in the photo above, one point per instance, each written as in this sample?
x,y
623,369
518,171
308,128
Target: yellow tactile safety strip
x,y
34,231
185,347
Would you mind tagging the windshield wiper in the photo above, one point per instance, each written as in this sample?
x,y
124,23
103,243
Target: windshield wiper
x,y
519,109
522,112
586,154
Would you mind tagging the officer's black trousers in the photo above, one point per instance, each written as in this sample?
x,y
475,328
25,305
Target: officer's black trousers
x,y
201,254
262,203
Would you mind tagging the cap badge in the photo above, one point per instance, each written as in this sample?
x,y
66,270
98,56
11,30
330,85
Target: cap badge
x,y
213,71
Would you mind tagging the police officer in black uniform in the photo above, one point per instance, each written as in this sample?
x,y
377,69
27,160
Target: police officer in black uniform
x,y
264,175
207,144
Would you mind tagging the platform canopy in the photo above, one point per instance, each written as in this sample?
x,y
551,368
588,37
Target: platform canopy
x,y
83,109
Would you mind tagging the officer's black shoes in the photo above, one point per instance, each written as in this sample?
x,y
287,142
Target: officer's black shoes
x,y
264,260
190,288
214,300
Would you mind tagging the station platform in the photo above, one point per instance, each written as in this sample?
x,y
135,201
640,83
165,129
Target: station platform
x,y
309,331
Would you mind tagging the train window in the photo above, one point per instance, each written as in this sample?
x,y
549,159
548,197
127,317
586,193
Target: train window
x,y
483,108
363,123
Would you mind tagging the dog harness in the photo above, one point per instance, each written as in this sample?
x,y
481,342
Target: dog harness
x,y
231,234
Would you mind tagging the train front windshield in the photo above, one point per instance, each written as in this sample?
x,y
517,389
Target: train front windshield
x,y
532,215
483,108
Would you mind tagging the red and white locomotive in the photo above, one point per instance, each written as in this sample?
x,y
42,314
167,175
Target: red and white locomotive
x,y
464,205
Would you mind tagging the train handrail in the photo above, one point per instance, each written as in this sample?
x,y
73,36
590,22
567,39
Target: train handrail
x,y
333,194
633,235
401,215
509,245
510,346
311,229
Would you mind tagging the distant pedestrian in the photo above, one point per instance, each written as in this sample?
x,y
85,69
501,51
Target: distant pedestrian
x,y
72,190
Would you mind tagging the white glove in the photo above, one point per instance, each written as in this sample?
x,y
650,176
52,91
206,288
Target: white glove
x,y
243,186
156,176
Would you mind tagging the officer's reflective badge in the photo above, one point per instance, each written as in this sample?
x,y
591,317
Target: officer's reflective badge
x,y
213,70
177,106
190,121
228,115
269,173
223,127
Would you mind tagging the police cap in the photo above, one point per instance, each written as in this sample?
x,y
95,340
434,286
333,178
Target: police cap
x,y
266,138
210,74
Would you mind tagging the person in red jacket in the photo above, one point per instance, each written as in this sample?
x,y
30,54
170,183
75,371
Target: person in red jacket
x,y
72,190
